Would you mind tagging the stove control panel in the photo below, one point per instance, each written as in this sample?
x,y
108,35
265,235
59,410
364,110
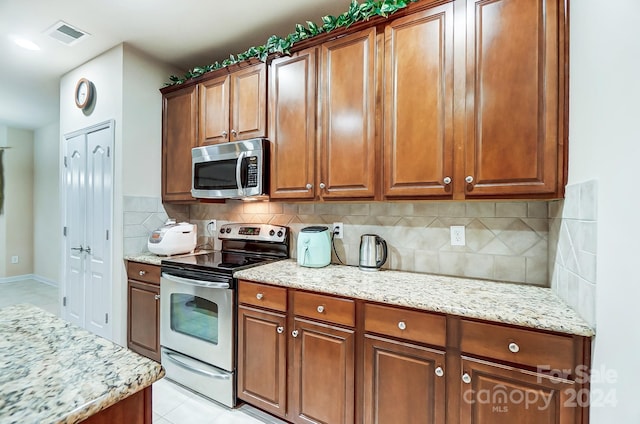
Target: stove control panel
x,y
256,232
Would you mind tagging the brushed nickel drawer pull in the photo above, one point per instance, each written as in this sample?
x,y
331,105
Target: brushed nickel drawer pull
x,y
513,347
466,378
143,272
320,309
402,325
259,296
439,371
280,330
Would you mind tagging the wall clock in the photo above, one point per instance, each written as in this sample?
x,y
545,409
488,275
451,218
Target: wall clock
x,y
83,93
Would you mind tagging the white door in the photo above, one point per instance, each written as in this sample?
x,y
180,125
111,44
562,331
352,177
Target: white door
x,y
88,200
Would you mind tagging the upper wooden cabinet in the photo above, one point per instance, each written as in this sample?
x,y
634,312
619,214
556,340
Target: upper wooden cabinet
x,y
179,129
418,104
214,111
292,125
515,92
347,158
341,101
233,107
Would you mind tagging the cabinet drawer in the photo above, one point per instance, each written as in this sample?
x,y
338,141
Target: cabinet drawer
x,y
143,272
325,308
261,295
421,327
526,347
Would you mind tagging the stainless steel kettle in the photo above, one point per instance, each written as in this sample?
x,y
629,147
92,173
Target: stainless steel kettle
x,y
373,252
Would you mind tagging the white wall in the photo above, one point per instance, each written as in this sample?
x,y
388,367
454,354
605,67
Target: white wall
x,y
127,86
17,219
142,133
47,235
105,71
604,140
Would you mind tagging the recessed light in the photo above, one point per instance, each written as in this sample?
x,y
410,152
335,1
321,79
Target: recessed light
x,y
24,43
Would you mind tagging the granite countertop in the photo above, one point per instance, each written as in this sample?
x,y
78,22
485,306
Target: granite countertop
x,y
52,371
153,259
517,304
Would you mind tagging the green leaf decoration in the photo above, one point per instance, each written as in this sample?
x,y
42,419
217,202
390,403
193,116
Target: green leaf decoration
x,y
357,12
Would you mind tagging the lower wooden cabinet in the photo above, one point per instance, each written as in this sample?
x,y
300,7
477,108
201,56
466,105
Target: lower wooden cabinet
x,y
316,358
403,383
262,359
500,394
322,382
143,309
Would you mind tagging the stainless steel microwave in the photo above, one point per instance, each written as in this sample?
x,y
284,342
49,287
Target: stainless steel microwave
x,y
233,170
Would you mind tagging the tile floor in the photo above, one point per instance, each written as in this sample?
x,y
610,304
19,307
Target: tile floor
x,y
172,404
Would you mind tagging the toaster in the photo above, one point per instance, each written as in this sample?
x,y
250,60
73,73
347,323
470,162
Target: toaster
x,y
173,239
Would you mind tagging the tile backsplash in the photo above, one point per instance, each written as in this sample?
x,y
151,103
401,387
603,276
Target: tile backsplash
x,y
541,243
142,215
505,241
573,245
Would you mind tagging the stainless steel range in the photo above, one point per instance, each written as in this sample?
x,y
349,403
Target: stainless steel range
x,y
198,308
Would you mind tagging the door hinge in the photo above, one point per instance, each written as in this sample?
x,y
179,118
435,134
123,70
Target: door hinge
x,y
107,234
106,318
64,301
108,152
64,231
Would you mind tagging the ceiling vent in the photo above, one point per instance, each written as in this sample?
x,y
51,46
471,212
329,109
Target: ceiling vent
x,y
66,34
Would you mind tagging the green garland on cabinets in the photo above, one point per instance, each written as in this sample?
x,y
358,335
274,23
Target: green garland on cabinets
x,y
357,12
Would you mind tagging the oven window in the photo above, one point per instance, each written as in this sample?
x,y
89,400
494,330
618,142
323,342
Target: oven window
x,y
195,317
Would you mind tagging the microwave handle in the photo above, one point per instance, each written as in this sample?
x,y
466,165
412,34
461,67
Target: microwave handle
x,y
239,173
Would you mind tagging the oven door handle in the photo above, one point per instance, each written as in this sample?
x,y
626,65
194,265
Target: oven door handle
x,y
197,283
188,367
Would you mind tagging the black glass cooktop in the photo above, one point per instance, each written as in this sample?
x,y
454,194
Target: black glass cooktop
x,y
222,262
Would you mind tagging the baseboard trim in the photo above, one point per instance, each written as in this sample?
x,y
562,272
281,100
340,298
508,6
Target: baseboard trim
x,y
23,277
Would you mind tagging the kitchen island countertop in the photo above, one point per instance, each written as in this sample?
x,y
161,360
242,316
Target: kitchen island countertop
x,y
52,371
508,303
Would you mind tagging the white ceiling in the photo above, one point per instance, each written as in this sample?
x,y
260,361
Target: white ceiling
x,y
185,33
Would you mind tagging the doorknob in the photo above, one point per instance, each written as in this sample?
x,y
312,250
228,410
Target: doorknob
x,y
88,250
79,249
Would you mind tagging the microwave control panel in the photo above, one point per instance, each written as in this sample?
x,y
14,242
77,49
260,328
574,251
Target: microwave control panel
x,y
252,171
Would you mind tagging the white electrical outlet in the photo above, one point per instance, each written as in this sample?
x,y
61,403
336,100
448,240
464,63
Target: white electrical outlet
x,y
457,235
15,259
212,225
338,230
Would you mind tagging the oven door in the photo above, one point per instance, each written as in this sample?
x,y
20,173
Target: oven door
x,y
196,319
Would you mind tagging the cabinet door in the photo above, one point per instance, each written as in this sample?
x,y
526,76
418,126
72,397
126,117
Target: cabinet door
x,y
262,359
143,331
515,60
348,148
292,125
322,381
418,102
249,103
214,111
403,383
498,394
178,138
